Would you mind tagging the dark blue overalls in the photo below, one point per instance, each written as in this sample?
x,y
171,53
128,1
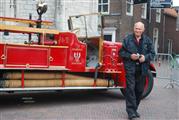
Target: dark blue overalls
x,y
135,72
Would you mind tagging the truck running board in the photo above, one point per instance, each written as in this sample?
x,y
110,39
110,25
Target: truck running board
x,y
55,88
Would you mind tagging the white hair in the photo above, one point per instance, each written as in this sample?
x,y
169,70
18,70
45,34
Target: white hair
x,y
140,24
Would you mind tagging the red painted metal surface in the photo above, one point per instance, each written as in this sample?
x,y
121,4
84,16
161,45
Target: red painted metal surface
x,y
69,52
76,57
1,53
26,57
58,56
111,60
22,79
63,79
146,83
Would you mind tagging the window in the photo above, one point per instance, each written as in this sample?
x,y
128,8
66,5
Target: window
x,y
103,6
158,15
144,11
155,39
110,34
129,7
108,37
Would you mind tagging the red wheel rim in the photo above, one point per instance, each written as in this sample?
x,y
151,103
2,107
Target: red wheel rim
x,y
146,83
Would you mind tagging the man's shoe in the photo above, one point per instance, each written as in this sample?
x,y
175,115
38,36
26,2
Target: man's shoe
x,y
137,115
131,117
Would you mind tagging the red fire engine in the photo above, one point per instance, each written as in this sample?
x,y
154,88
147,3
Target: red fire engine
x,y
61,60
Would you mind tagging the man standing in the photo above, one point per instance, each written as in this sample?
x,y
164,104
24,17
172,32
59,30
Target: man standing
x,y
137,51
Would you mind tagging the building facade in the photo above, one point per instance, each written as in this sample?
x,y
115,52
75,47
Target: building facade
x,y
161,24
58,12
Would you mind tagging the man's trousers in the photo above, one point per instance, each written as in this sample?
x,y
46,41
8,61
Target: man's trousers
x,y
134,90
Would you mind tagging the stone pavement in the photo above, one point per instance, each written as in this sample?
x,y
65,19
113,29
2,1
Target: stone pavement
x,y
161,104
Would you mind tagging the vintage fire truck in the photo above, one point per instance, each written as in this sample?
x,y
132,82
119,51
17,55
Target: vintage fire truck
x,y
62,60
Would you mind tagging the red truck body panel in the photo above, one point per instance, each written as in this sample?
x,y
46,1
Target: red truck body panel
x,y
25,56
21,56
76,53
69,54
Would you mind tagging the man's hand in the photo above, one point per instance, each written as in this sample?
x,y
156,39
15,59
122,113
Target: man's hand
x,y
134,56
141,58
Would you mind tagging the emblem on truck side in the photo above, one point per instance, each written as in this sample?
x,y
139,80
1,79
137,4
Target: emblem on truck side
x,y
77,56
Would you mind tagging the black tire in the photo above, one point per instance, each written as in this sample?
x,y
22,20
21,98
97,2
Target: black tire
x,y
148,86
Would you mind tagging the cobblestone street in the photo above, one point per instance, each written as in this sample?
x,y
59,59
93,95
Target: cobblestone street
x,y
161,104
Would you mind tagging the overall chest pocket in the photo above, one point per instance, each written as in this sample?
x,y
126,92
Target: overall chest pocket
x,y
145,48
132,47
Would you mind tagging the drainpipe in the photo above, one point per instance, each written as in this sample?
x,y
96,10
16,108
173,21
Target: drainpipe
x,y
148,17
163,42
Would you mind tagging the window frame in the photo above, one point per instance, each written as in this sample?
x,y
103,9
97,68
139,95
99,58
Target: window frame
x,y
110,31
158,15
129,2
144,11
155,38
102,5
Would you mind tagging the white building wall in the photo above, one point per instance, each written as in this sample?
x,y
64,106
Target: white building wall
x,y
22,9
58,12
75,7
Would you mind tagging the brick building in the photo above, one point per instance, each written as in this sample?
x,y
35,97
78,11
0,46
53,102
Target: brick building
x,y
121,16
160,24
171,35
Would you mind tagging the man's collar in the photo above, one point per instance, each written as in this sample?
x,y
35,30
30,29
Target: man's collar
x,y
142,36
